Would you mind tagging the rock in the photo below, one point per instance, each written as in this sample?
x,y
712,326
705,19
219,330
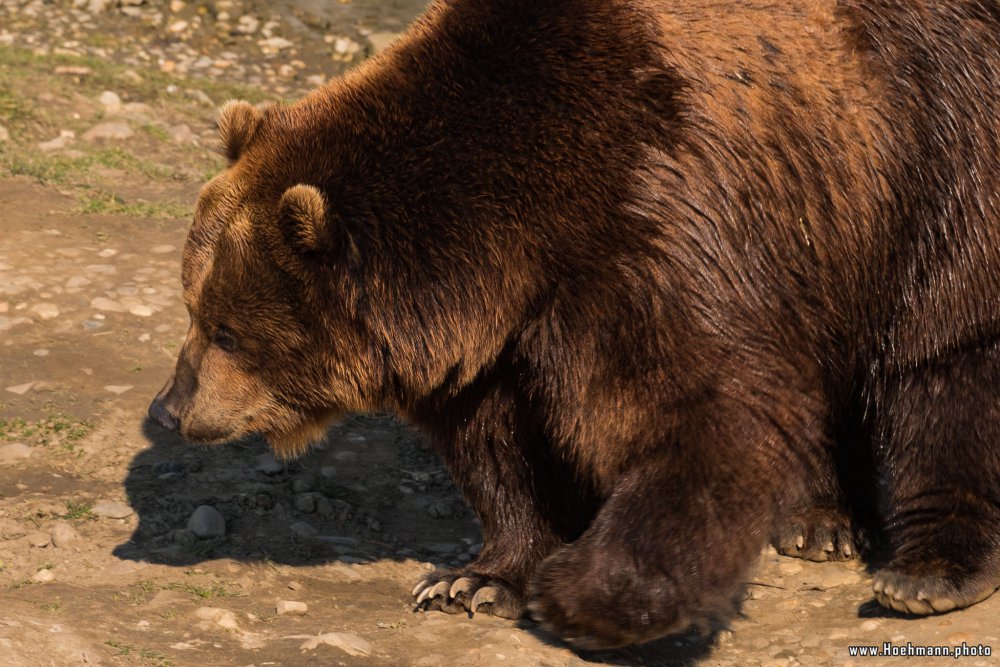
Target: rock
x,y
141,310
206,521
11,530
64,535
328,472
323,506
111,510
10,454
182,134
39,540
267,464
263,500
380,40
274,44
114,131
303,529
347,642
4,134
439,510
111,102
167,467
302,485
220,617
46,311
346,456
305,503
64,139
294,586
43,576
291,608
21,389
106,305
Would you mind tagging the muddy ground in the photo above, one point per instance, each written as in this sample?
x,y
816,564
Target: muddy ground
x,y
106,134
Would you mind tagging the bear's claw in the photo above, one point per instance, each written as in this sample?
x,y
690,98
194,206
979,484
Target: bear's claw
x,y
817,535
452,593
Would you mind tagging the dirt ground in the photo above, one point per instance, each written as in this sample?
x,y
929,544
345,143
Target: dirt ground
x,y
106,134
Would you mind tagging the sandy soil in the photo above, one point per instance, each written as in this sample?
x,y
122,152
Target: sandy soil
x,y
100,161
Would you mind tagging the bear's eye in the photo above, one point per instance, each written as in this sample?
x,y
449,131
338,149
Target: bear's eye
x,y
224,339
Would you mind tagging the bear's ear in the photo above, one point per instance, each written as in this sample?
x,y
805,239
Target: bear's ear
x,y
304,218
238,122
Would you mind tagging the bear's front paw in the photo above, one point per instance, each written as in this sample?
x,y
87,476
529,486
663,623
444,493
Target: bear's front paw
x,y
924,594
597,600
457,591
818,534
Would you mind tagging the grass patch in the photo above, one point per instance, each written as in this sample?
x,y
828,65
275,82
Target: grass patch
x,y
216,589
78,511
63,170
103,202
55,429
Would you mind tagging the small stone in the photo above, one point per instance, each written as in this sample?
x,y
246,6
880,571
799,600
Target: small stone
x,y
439,509
11,530
182,134
294,586
221,617
345,641
111,102
303,529
291,608
870,625
206,521
113,131
63,535
46,311
111,510
43,576
178,27
444,548
162,249
263,500
167,467
346,456
790,567
106,305
267,464
4,134
118,389
39,540
328,472
305,503
323,506
40,352
302,485
64,139
10,454
141,311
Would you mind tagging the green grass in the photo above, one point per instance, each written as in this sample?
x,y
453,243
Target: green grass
x,y
77,511
55,429
216,589
102,202
63,170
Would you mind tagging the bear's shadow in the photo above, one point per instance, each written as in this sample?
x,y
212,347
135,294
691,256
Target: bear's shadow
x,y
372,492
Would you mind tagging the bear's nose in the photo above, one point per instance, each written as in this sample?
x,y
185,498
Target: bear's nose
x,y
159,413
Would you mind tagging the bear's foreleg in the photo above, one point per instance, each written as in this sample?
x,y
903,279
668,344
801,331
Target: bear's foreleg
x,y
942,462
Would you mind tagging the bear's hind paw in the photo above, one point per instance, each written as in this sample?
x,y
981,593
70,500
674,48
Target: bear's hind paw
x,y
453,593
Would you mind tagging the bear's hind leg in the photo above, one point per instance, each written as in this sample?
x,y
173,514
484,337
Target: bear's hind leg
x,y
943,468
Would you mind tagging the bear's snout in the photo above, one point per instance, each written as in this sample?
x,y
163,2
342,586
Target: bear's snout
x,y
159,413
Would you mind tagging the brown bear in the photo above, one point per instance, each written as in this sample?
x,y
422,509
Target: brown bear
x,y
655,277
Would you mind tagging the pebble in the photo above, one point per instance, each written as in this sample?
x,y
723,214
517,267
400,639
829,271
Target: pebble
x,y
64,139
294,586
115,130
346,456
118,389
39,540
303,529
267,464
439,509
106,305
221,617
46,311
291,608
21,389
43,576
347,642
263,500
870,625
111,510
64,534
11,530
10,454
141,311
327,472
305,503
323,506
4,134
111,102
302,485
206,521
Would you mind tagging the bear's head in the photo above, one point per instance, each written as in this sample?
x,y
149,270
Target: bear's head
x,y
260,244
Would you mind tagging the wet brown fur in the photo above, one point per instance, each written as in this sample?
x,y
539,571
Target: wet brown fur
x,y
652,275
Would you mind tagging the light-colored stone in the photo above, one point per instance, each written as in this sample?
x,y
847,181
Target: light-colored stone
x,y
43,576
267,464
111,102
106,305
291,608
118,389
347,642
14,452
4,134
206,521
39,539
46,311
110,131
111,510
64,534
141,310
